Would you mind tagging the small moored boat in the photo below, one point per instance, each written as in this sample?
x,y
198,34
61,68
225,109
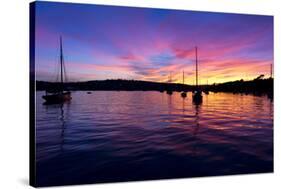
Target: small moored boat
x,y
206,92
169,92
56,98
58,94
183,94
197,94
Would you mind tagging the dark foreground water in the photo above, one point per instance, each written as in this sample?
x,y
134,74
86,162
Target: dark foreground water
x,y
123,136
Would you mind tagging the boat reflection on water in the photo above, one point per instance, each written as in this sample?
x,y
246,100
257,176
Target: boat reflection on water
x,y
63,124
197,112
197,126
62,110
197,97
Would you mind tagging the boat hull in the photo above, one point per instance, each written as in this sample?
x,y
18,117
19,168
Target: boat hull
x,y
197,97
183,94
169,92
57,98
206,92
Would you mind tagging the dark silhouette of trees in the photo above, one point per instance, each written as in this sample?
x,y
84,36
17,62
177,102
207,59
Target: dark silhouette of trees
x,y
257,86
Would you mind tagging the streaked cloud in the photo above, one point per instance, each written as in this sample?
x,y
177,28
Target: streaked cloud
x,y
148,44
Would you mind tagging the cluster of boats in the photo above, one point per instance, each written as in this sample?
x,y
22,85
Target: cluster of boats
x,y
197,93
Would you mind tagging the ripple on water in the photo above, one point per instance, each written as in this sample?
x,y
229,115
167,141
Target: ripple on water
x,y
114,136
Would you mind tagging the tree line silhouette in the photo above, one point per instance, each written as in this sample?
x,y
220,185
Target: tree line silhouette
x,y
258,85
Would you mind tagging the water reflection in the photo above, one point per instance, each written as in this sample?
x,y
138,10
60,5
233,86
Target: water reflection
x,y
196,129
62,119
58,122
197,111
183,105
118,136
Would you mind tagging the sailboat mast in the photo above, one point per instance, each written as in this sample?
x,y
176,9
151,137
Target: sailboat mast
x,y
61,63
271,71
196,67
170,80
183,77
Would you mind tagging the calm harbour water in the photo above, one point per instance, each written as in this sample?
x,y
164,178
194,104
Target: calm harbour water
x,y
110,136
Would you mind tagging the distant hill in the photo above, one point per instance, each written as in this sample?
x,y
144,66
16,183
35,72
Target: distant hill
x,y
120,85
257,86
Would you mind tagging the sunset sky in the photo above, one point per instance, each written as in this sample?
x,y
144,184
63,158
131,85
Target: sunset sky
x,y
106,42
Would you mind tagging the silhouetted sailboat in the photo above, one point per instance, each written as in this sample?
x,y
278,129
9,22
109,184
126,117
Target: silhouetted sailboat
x,y
169,91
183,94
58,94
197,93
206,89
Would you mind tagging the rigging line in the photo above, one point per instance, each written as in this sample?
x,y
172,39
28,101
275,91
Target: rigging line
x,y
64,70
61,61
57,72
